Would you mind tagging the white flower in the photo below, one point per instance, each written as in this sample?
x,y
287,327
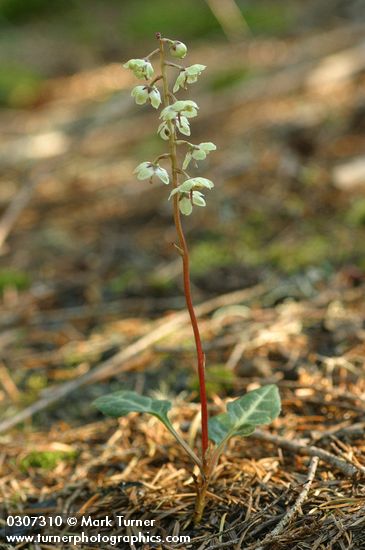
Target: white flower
x,y
192,184
177,113
163,131
155,97
188,76
189,194
185,108
141,68
186,202
185,206
142,94
198,152
198,198
178,49
182,124
146,170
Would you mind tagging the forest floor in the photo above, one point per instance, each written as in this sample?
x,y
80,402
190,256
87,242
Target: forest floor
x,y
91,294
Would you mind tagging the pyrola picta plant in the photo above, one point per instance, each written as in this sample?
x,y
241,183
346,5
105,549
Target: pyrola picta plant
x,y
256,407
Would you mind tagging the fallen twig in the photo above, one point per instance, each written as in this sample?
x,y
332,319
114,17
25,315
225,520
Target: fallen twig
x,y
302,448
8,383
15,208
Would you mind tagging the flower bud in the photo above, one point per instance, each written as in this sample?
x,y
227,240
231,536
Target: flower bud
x,y
178,49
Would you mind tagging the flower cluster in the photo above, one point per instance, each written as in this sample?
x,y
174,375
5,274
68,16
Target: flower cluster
x,y
175,117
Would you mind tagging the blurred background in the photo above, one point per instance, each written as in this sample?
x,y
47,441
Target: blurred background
x,y
86,257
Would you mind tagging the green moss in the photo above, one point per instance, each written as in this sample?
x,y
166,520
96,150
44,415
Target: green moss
x,y
37,382
295,255
45,460
19,86
13,278
160,283
208,255
73,357
218,379
355,215
123,281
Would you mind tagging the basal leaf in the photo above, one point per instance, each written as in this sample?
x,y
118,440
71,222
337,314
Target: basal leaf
x,y
257,407
124,402
220,426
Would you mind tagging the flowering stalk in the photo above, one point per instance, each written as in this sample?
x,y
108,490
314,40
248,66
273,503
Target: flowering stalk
x,y
184,251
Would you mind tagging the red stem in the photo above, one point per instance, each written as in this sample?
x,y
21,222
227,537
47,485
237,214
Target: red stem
x,y
186,267
194,324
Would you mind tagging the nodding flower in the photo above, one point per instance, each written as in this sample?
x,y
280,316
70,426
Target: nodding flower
x,y
185,108
142,94
186,203
141,68
181,123
188,76
190,194
198,152
146,170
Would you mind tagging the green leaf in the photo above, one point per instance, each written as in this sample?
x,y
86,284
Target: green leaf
x,y
124,402
257,407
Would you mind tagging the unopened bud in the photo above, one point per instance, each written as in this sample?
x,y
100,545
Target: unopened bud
x,y
178,49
